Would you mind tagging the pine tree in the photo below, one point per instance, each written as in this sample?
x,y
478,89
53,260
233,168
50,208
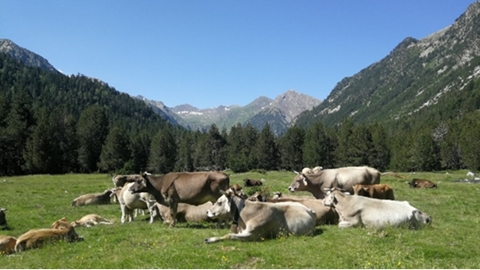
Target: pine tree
x,y
185,157
470,141
92,129
140,152
343,150
115,151
266,150
319,147
291,148
163,152
361,145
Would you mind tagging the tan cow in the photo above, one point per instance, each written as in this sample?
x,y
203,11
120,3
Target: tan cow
x,y
133,201
121,180
262,220
280,195
378,191
93,198
36,238
193,188
185,212
90,220
344,178
7,244
422,183
358,211
324,214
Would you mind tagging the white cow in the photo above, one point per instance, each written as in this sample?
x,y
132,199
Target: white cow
x,y
372,213
259,220
130,201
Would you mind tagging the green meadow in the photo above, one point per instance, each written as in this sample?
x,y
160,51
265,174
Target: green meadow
x,y
36,201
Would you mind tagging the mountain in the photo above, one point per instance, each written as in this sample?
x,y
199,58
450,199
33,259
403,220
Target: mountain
x,y
279,113
162,110
431,78
25,56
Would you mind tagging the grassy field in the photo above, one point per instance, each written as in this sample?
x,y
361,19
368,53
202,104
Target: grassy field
x,y
36,201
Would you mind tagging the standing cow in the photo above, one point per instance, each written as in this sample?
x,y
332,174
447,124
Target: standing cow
x,y
193,188
344,178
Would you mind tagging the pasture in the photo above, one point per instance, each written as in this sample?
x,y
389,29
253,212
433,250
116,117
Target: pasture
x,y
36,201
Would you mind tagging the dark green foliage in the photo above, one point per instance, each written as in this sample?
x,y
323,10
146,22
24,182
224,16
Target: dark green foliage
x,y
163,152
266,150
291,148
319,147
116,151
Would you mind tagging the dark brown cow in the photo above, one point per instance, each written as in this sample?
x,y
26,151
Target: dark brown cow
x,y
252,182
3,220
193,188
344,178
379,191
422,183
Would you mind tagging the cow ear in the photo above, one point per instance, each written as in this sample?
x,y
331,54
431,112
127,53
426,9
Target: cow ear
x,y
63,219
305,180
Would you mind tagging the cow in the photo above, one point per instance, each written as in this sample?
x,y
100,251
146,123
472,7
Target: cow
x,y
90,220
7,244
422,183
61,230
358,211
280,195
261,220
172,188
323,214
133,201
3,220
121,180
346,178
378,191
93,198
252,182
185,212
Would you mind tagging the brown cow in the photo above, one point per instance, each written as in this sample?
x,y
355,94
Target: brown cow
x,y
252,182
7,244
344,178
378,191
422,183
193,188
93,198
324,214
36,238
3,220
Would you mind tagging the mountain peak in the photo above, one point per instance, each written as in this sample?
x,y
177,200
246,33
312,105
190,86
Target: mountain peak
x,y
25,56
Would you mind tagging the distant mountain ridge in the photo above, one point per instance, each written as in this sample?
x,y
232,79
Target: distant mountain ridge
x,y
418,77
25,56
279,113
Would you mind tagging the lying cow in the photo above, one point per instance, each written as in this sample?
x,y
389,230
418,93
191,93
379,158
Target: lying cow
x,y
93,198
422,183
7,244
261,220
345,179
323,214
280,195
130,201
185,212
121,180
61,230
378,191
3,220
90,220
252,182
193,188
374,213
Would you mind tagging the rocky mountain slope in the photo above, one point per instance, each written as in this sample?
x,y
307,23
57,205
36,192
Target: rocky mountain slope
x,y
418,77
25,56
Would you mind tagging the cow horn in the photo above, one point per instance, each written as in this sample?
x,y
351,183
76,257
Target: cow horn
x,y
297,173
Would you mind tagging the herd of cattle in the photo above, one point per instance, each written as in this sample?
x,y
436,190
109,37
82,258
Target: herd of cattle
x,y
349,197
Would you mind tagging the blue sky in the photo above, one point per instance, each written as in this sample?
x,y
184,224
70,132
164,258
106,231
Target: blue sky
x,y
209,53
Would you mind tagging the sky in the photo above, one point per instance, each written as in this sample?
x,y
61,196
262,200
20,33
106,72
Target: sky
x,y
216,52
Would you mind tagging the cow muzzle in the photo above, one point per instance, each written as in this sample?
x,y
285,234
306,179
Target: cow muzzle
x,y
291,189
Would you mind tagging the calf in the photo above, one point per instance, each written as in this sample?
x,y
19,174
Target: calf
x,y
252,182
379,191
261,220
3,220
130,201
7,244
36,238
90,220
374,213
422,183
93,198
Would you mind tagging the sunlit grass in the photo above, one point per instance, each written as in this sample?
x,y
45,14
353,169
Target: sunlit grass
x,y
36,201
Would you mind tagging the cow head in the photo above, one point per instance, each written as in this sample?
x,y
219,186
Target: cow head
x,y
61,224
222,207
257,197
420,219
331,196
299,183
140,185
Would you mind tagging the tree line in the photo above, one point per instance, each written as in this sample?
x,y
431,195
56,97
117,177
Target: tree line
x,y
52,123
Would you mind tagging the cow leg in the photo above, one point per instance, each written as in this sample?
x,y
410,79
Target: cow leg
x,y
123,208
243,236
173,212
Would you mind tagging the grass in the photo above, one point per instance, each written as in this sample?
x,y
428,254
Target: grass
x,y
36,201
